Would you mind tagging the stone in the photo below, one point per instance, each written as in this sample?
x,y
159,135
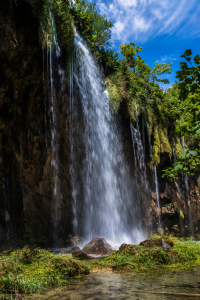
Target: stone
x,y
165,242
75,248
151,243
128,249
123,247
80,254
98,246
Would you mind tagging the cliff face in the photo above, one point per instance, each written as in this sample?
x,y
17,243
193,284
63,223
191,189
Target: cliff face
x,y
26,175
29,210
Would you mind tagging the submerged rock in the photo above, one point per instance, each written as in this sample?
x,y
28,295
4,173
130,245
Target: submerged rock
x,y
80,254
98,246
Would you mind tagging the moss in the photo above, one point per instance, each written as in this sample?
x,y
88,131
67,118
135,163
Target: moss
x,y
168,240
144,259
156,146
32,269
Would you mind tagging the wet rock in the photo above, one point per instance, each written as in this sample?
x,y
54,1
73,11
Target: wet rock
x,y
80,254
97,246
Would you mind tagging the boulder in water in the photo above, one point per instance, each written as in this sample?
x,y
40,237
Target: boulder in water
x,y
80,254
98,246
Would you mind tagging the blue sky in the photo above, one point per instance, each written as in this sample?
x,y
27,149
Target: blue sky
x,y
164,28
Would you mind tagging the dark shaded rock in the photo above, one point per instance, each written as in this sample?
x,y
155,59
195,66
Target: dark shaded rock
x,y
165,242
127,249
97,246
123,247
151,243
80,254
75,248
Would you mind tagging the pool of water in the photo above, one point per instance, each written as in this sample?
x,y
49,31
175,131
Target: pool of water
x,y
109,285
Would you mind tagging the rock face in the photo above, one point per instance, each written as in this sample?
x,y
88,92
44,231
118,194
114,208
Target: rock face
x,y
29,208
98,246
30,212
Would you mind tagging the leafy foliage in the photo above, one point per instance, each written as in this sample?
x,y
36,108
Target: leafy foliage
x,y
95,28
133,82
54,20
189,125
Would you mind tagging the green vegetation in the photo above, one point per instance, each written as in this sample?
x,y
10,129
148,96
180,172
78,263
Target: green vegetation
x,y
171,116
183,255
189,111
134,83
31,269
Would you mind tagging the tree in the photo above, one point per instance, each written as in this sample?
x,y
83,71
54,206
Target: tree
x,y
138,65
189,127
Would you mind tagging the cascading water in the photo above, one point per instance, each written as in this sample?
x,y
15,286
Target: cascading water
x,y
105,200
55,77
187,197
157,196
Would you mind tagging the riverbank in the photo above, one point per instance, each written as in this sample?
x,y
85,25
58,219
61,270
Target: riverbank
x,y
31,270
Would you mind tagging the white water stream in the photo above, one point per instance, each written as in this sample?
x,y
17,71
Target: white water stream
x,y
103,189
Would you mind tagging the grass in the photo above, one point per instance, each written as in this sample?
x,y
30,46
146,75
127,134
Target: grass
x,y
31,269
183,256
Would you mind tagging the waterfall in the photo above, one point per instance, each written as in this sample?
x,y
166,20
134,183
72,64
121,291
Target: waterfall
x,y
55,78
187,196
157,197
105,198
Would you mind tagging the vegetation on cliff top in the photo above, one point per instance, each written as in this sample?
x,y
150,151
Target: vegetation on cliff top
x,y
170,115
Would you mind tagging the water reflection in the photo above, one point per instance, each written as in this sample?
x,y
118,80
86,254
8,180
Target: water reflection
x,y
108,285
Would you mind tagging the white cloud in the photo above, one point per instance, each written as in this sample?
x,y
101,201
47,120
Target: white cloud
x,y
166,59
118,28
142,20
128,3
